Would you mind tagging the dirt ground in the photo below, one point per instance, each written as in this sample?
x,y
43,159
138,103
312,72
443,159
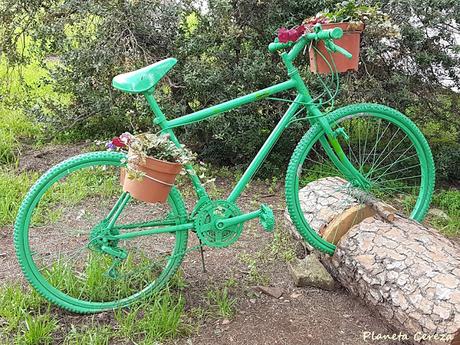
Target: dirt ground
x,y
299,316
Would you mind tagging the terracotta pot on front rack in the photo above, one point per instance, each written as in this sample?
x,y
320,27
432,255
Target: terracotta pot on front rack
x,y
350,41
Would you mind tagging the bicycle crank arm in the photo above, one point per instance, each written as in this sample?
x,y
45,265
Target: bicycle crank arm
x,y
225,223
264,213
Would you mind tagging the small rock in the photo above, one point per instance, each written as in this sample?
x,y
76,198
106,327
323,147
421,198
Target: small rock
x,y
311,272
295,295
271,291
80,214
225,321
2,255
252,300
438,213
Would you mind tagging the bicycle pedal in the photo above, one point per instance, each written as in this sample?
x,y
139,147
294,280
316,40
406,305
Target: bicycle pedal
x,y
266,218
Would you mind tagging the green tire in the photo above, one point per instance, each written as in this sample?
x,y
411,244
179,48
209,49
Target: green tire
x,y
316,132
26,260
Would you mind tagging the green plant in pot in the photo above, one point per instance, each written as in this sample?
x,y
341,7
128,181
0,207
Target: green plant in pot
x,y
153,163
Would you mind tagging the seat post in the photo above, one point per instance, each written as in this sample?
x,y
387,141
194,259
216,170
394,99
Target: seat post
x,y
160,118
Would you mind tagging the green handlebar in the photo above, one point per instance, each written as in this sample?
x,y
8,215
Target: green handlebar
x,y
344,52
274,46
334,33
335,48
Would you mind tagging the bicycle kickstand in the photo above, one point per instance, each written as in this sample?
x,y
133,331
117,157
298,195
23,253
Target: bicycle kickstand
x,y
202,257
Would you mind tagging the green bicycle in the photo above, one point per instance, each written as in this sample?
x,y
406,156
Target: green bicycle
x,y
87,246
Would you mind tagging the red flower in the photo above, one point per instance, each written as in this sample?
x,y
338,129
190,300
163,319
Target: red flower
x,y
117,142
292,35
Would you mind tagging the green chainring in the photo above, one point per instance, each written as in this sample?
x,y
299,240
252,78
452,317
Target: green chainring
x,y
207,217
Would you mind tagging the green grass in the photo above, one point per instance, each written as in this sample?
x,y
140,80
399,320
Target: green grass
x,y
13,188
80,185
449,202
158,318
94,335
220,302
26,318
24,85
14,127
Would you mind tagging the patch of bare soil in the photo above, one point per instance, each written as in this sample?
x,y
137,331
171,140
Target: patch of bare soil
x,y
299,316
33,159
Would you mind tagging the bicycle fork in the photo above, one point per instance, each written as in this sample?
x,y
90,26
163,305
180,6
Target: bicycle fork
x,y
330,141
331,145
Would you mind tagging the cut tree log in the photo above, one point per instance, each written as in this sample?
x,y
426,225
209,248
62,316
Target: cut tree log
x,y
406,271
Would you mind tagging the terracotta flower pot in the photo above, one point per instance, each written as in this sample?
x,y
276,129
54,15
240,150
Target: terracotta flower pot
x,y
157,182
350,41
122,175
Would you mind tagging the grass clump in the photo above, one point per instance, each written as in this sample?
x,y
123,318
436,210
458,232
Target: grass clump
x,y
220,302
25,316
94,335
13,188
158,318
14,127
449,202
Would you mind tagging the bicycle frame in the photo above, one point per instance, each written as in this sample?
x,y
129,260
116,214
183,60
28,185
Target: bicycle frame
x,y
303,98
167,127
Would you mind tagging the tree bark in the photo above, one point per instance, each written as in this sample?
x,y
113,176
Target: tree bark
x,y
406,271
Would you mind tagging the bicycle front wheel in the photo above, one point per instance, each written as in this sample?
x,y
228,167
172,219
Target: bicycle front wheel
x,y
383,145
59,231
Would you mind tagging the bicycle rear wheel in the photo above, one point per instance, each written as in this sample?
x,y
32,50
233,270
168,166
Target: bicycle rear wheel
x,y
58,237
384,145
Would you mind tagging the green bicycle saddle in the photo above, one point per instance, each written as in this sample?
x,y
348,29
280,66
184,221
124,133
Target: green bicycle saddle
x,y
143,79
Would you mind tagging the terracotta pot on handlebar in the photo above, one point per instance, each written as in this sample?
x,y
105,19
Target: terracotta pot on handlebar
x,y
350,41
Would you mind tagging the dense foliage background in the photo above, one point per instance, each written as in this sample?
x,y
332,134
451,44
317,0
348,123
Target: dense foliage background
x,y
221,46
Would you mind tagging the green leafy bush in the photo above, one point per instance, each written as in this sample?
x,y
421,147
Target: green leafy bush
x,y
222,54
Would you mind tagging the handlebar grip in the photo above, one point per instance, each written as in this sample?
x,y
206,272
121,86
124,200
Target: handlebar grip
x,y
334,33
274,46
344,52
335,48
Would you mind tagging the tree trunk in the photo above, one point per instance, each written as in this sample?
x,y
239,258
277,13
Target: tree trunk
x,y
406,271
